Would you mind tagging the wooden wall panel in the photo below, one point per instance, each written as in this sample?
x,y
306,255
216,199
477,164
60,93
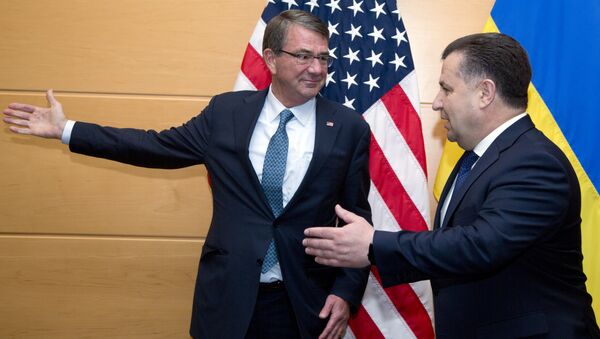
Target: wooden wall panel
x,y
47,189
431,26
184,47
89,287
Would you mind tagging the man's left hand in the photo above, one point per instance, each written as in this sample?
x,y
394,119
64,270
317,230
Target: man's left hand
x,y
338,311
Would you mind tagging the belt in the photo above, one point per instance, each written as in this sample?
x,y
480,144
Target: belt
x,y
272,286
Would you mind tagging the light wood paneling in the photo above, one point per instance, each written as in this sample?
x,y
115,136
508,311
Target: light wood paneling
x,y
47,189
431,26
183,47
96,287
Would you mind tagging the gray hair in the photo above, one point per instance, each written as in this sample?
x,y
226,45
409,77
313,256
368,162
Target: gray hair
x,y
276,31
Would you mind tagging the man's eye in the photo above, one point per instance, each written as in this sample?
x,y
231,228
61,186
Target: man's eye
x,y
323,58
303,57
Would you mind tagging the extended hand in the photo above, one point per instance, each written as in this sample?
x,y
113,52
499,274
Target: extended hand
x,y
338,311
346,246
34,120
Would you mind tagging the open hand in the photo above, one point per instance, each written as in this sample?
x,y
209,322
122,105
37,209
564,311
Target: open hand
x,y
39,121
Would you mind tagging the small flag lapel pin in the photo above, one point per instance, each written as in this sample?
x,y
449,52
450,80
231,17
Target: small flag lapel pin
x,y
329,123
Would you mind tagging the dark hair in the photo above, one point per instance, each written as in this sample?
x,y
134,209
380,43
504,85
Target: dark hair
x,y
277,28
498,57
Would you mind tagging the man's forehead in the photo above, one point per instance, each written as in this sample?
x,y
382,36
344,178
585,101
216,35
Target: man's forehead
x,y
302,37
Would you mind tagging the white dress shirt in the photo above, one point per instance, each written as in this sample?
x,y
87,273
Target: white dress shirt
x,y
301,138
479,149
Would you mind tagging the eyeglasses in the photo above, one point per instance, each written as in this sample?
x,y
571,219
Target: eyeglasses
x,y
306,58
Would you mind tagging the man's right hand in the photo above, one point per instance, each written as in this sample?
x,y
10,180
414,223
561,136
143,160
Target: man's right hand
x,y
39,121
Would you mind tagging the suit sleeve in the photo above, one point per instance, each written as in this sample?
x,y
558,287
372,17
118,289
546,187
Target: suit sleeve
x,y
176,147
512,211
350,284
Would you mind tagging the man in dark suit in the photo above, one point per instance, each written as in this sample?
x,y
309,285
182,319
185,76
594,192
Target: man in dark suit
x,y
279,161
505,254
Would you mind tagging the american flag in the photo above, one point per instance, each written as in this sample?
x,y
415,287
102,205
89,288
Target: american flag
x,y
373,73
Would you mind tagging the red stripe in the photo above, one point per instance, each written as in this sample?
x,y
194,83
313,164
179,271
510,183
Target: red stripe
x,y
410,308
392,192
362,325
407,121
255,68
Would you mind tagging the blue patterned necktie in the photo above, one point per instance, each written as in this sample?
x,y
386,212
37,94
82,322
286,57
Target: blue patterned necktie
x,y
272,178
464,170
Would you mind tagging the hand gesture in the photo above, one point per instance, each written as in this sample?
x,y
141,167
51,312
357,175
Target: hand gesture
x,y
346,246
39,121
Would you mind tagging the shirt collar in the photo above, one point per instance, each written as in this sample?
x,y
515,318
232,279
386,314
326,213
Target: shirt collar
x,y
485,143
303,113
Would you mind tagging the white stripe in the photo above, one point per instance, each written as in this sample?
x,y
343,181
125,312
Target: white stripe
x,y
411,89
400,156
423,291
383,312
257,36
349,334
243,83
383,219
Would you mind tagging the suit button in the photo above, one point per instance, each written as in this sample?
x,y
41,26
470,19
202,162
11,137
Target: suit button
x,y
259,262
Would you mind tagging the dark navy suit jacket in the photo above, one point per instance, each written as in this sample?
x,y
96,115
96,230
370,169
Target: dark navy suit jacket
x,y
243,224
507,261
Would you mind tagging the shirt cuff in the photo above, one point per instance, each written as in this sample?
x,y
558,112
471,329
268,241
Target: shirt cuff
x,y
66,135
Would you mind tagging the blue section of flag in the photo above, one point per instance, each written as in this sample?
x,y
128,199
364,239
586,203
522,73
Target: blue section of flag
x,y
366,67
563,42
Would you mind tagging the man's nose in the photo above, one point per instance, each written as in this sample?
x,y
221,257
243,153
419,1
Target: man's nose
x,y
437,103
315,66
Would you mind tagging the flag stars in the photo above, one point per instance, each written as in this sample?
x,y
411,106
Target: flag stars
x,y
372,83
399,37
397,12
332,53
350,80
330,79
356,7
332,29
312,4
334,4
375,58
354,32
376,34
378,9
398,61
349,103
290,3
352,55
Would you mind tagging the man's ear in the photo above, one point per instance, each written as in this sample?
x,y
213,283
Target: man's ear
x,y
487,92
269,58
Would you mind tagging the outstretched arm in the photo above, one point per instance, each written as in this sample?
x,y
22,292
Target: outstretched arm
x,y
39,121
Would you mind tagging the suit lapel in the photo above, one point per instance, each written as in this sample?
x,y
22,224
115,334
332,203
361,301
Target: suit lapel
x,y
326,132
491,155
449,181
244,121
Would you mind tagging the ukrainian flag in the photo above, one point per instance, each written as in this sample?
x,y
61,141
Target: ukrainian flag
x,y
562,38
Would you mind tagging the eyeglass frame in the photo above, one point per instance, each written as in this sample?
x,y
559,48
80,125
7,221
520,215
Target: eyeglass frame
x,y
324,60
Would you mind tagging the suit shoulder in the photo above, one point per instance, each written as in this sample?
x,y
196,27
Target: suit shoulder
x,y
345,113
233,96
